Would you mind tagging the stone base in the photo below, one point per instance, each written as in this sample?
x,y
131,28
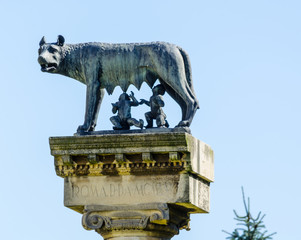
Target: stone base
x,y
135,186
154,130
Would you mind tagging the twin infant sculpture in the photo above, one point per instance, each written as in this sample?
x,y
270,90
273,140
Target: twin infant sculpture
x,y
124,120
104,66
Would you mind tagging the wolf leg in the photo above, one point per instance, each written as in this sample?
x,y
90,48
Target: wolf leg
x,y
94,97
184,101
177,86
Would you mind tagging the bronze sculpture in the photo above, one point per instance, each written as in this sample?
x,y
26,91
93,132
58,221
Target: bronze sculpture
x,y
104,66
124,120
156,103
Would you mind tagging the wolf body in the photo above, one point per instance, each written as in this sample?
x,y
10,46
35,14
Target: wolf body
x,y
104,66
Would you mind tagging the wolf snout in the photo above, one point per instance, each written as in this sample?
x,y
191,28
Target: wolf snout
x,y
46,66
41,60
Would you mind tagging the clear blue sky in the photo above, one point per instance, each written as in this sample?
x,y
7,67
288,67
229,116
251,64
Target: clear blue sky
x,y
245,58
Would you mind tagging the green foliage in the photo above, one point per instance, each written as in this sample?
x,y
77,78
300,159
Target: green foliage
x,y
250,228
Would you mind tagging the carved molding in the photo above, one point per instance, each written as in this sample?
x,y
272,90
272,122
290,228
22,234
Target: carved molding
x,y
92,165
94,221
124,216
152,218
134,154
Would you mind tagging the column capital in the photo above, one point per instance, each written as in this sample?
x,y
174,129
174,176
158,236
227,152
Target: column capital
x,y
157,220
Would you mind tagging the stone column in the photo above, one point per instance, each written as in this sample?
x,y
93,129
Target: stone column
x,y
135,186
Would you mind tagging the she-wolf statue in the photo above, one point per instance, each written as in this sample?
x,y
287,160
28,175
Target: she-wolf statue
x,y
104,66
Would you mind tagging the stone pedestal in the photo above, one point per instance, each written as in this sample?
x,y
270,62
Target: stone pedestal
x,y
134,186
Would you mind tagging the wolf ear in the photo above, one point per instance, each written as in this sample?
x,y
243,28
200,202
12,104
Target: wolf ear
x,y
60,40
43,41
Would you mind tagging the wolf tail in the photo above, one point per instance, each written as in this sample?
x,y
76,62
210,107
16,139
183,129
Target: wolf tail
x,y
188,74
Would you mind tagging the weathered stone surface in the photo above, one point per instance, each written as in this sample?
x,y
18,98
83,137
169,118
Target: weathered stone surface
x,y
144,221
135,186
128,189
120,154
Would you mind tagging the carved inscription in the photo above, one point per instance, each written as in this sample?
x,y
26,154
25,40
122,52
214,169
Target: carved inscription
x,y
120,190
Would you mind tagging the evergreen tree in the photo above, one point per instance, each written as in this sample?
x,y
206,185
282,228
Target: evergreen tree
x,y
250,228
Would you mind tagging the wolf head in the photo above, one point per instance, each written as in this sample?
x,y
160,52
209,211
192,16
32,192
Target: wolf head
x,y
50,55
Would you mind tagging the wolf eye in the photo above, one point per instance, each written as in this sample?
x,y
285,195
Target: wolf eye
x,y
52,50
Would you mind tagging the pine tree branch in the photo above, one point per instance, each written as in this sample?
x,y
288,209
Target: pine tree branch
x,y
251,227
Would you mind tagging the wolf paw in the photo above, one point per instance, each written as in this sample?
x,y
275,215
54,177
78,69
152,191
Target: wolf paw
x,y
183,124
84,129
